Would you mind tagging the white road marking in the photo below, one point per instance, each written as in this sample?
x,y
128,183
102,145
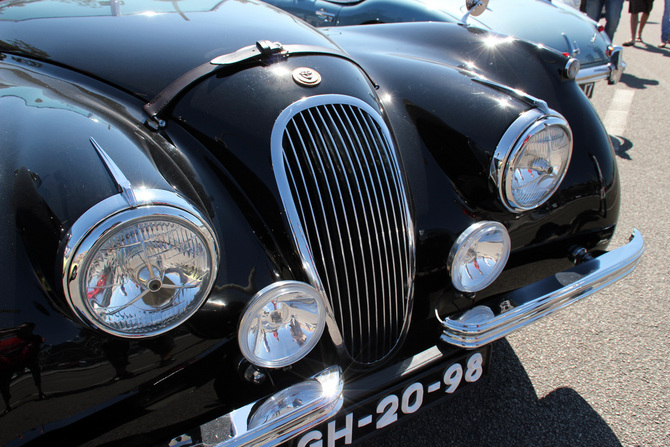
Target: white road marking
x,y
617,114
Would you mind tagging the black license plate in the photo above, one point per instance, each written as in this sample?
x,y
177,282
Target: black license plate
x,y
360,419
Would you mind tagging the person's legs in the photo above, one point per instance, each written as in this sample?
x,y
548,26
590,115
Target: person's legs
x,y
633,27
594,9
612,15
643,21
665,22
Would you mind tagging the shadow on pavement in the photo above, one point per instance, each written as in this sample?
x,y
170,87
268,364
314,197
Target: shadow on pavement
x,y
505,411
622,146
635,82
651,47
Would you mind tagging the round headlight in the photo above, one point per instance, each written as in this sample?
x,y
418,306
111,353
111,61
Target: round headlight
x,y
282,323
531,160
478,256
142,271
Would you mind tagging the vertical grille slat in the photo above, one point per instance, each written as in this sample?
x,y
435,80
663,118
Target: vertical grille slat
x,y
342,187
328,150
351,217
366,204
393,184
332,282
374,148
386,322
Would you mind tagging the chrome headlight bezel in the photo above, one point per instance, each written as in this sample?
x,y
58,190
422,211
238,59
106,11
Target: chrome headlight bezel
x,y
513,144
114,215
281,354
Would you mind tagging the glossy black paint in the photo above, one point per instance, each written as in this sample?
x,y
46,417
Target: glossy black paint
x,y
215,151
48,182
449,125
553,25
141,53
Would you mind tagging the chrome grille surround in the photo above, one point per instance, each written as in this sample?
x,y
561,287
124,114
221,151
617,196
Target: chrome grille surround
x,y
343,192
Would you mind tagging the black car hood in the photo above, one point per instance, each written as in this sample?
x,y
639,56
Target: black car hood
x,y
146,45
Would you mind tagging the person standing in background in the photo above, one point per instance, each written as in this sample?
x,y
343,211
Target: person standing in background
x,y
635,8
613,8
665,26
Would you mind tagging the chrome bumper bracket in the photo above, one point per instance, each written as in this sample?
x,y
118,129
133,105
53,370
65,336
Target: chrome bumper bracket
x,y
611,71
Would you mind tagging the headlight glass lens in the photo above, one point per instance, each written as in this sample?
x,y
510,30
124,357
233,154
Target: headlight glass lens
x,y
282,324
141,276
479,256
537,167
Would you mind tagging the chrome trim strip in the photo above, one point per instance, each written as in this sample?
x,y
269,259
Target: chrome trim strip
x,y
602,272
232,429
514,93
125,188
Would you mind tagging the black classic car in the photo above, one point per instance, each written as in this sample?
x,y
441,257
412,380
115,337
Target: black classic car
x,y
222,226
555,25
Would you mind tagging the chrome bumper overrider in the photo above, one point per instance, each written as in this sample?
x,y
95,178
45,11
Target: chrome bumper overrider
x,y
530,303
611,71
300,407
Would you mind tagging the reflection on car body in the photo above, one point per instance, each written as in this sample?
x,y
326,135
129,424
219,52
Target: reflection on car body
x,y
553,24
246,230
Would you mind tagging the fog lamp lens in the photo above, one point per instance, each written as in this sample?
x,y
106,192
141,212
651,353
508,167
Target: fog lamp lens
x,y
479,256
282,324
326,385
286,401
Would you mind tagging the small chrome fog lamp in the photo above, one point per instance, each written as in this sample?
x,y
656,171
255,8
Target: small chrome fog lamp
x,y
478,256
325,387
572,68
282,323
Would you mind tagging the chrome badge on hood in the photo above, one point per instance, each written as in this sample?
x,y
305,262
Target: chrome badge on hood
x,y
306,77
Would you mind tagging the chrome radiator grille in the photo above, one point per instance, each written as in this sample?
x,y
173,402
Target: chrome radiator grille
x,y
345,194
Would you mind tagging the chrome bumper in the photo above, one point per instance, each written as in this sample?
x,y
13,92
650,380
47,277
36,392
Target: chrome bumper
x,y
611,72
294,410
528,304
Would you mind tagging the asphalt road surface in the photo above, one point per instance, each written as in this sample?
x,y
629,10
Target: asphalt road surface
x,y
597,373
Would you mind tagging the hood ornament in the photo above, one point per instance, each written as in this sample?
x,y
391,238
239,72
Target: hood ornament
x,y
573,46
474,8
306,77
